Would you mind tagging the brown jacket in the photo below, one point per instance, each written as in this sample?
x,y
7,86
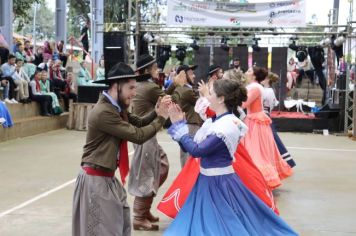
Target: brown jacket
x,y
106,129
186,98
146,98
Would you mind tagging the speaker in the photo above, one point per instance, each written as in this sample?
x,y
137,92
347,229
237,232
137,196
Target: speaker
x,y
1,11
89,94
114,49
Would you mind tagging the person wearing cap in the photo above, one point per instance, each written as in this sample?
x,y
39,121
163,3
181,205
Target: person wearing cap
x,y
99,204
149,168
184,95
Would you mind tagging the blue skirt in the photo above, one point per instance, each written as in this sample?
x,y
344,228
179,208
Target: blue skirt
x,y
222,205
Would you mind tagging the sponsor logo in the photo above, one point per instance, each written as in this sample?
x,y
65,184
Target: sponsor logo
x,y
235,21
179,19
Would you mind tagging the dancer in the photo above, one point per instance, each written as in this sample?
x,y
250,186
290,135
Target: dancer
x,y
259,140
186,97
243,165
99,204
219,203
149,168
269,102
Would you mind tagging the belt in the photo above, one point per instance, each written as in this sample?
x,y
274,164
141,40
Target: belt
x,y
217,171
92,169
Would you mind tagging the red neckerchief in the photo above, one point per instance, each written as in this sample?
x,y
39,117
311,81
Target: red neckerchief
x,y
38,86
123,158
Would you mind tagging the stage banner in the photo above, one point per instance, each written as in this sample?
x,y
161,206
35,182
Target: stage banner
x,y
224,14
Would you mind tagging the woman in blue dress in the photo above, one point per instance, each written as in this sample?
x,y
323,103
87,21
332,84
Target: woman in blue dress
x,y
219,203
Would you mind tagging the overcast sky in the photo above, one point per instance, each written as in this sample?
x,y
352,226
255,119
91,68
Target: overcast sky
x,y
317,7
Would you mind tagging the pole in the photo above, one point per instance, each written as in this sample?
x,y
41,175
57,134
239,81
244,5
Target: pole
x,y
137,31
6,30
34,28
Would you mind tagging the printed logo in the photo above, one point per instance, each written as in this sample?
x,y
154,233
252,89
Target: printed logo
x,y
179,19
235,21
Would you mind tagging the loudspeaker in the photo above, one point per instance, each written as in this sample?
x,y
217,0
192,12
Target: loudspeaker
x,y
1,11
114,49
89,94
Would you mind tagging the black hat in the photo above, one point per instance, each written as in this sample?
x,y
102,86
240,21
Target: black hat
x,y
120,71
186,68
213,69
144,61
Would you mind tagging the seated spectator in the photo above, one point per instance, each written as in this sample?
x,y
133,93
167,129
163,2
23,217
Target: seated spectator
x,y
21,80
47,51
4,51
70,91
100,71
4,84
30,57
45,89
84,77
62,55
8,73
45,101
20,53
38,56
57,81
5,117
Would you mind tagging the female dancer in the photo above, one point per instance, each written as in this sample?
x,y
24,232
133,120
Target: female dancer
x,y
259,139
219,203
269,102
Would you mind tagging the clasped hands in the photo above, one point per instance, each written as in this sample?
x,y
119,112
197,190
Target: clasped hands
x,y
166,108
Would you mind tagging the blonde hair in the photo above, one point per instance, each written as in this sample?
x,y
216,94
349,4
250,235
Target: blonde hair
x,y
235,75
273,77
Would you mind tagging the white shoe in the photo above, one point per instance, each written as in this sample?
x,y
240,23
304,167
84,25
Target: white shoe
x,y
8,101
14,101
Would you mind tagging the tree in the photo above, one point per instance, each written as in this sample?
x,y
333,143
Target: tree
x,y
44,22
22,11
78,14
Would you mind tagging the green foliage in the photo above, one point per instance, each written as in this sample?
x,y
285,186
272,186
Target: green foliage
x,y
22,11
115,11
78,14
45,21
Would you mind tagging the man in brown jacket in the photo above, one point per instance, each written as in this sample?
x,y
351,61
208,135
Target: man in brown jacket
x,y
184,95
149,166
99,204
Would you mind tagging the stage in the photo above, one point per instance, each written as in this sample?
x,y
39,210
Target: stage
x,y
285,121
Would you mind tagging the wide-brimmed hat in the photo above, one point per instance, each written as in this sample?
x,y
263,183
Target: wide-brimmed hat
x,y
213,69
120,71
144,61
186,68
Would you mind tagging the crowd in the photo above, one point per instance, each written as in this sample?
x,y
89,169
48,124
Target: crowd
x,y
42,76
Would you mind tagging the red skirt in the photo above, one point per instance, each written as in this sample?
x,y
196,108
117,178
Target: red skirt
x,y
180,189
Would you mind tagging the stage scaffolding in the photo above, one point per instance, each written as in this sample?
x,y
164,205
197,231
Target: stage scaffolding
x,y
133,27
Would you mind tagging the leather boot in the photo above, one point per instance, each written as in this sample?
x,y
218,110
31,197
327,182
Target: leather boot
x,y
140,209
149,215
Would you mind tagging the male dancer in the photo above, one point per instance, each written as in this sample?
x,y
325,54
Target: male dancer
x,y
184,95
99,204
149,168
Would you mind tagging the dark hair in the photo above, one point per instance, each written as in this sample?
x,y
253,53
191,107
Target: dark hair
x,y
18,59
11,56
260,73
233,93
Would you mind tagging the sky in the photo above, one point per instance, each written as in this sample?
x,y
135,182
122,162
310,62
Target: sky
x,y
317,7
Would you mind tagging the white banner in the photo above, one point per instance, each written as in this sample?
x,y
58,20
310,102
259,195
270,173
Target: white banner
x,y
265,14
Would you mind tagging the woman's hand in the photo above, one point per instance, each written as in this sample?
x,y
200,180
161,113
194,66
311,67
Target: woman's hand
x,y
203,89
175,113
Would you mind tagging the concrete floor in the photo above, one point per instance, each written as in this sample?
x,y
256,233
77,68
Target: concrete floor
x,y
319,199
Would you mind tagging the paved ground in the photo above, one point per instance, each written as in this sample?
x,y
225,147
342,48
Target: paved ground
x,y
37,177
